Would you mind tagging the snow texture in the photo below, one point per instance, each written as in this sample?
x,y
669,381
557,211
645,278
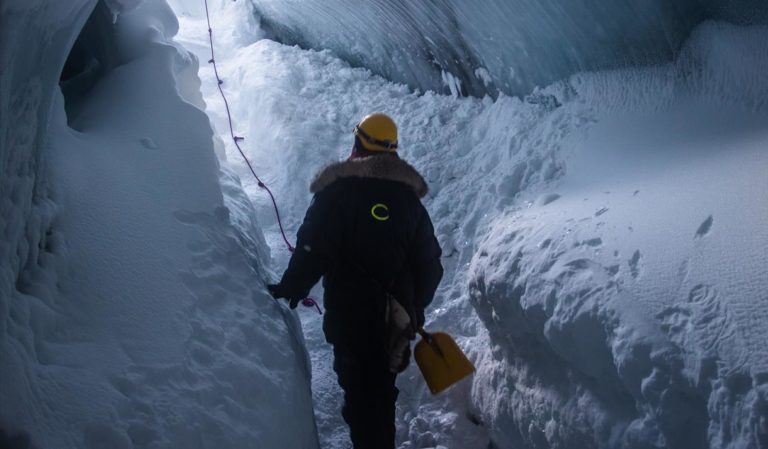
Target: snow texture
x,y
132,306
603,238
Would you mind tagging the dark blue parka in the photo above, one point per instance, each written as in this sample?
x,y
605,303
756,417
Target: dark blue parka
x,y
366,230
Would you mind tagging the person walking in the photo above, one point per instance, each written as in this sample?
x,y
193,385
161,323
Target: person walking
x,y
368,236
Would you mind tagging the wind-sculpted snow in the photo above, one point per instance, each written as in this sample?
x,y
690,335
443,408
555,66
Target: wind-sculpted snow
x,y
629,311
28,239
498,45
132,306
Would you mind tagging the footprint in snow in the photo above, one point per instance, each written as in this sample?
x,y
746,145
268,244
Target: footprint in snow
x,y
634,264
545,199
148,143
704,227
601,211
597,241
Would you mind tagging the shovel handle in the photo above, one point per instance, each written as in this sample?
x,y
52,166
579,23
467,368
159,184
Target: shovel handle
x,y
430,341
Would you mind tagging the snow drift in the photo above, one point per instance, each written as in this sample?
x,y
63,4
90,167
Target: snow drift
x,y
625,305
132,311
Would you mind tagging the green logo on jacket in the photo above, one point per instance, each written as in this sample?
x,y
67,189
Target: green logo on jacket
x,y
380,212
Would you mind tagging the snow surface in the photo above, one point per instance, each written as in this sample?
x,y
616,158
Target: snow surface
x,y
132,307
604,237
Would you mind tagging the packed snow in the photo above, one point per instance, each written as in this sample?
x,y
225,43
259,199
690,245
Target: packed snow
x,y
603,236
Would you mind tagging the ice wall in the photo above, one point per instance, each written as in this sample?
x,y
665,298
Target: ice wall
x,y
132,306
499,45
27,83
34,40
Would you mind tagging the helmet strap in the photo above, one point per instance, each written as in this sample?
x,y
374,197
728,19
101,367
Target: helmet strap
x,y
360,134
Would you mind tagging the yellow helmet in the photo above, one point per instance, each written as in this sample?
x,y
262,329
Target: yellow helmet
x,y
377,132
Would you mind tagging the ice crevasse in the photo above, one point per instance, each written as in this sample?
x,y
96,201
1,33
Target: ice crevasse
x,y
132,306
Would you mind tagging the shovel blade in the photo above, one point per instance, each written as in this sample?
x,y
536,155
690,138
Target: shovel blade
x,y
441,361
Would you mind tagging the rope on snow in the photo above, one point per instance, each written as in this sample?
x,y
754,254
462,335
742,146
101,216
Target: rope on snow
x,y
307,302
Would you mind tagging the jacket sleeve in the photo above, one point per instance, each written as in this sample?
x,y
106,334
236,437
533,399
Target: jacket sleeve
x,y
428,271
317,245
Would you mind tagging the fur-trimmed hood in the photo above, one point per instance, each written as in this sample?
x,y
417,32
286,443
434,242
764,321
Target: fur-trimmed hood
x,y
377,167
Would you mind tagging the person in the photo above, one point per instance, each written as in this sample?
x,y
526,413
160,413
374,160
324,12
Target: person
x,y
372,241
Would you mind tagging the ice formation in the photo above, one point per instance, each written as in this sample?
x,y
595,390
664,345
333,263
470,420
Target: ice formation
x,y
515,45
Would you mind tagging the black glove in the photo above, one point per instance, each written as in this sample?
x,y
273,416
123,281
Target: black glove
x,y
278,292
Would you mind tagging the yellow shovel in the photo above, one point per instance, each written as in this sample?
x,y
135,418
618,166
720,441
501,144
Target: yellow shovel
x,y
441,361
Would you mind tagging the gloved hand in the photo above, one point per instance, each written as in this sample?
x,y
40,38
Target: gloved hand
x,y
278,292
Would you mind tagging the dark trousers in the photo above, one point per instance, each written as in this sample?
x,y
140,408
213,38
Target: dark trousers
x,y
369,396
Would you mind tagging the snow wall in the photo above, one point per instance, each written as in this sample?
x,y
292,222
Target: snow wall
x,y
132,310
480,47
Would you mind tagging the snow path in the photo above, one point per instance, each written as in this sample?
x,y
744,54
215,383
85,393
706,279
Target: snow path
x,y
510,177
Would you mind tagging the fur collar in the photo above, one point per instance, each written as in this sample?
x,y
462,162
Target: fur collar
x,y
377,167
